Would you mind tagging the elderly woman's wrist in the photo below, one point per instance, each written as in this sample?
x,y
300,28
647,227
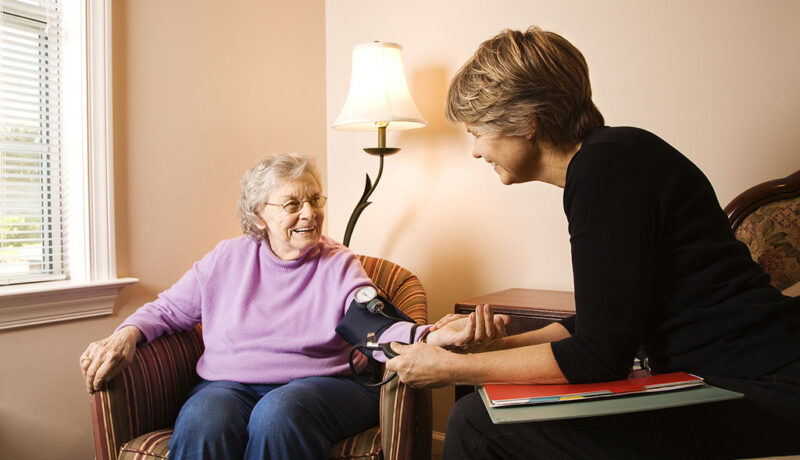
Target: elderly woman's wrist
x,y
433,338
424,336
133,333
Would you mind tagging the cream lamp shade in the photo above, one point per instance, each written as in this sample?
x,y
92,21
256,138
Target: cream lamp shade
x,y
378,94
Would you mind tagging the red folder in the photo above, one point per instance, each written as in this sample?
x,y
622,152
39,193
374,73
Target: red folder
x,y
640,382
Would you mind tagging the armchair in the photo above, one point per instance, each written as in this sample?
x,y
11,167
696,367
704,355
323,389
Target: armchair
x,y
133,413
766,217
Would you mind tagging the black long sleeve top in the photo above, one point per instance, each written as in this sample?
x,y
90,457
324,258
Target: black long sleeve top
x,y
656,265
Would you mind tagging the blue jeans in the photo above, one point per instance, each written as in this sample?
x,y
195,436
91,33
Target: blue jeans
x,y
300,419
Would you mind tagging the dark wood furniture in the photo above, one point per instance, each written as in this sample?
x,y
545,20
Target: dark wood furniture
x,y
766,217
529,309
761,194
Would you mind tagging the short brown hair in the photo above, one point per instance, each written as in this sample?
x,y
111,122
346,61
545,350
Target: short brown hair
x,y
516,78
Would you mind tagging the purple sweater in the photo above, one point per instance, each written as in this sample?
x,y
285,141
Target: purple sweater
x,y
265,320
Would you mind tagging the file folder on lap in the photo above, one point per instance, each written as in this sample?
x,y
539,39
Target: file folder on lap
x,y
638,382
527,403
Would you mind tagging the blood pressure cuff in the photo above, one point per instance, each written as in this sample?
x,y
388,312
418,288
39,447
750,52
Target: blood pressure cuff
x,y
358,322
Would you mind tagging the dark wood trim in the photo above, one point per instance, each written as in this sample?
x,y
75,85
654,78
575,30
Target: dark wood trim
x,y
528,308
532,302
761,194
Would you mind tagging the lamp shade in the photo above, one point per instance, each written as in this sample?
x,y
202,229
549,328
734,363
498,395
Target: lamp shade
x,y
378,92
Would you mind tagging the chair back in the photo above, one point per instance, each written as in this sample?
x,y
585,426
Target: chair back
x,y
766,218
399,285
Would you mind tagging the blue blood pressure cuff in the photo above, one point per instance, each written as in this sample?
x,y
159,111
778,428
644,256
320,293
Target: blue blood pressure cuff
x,y
372,315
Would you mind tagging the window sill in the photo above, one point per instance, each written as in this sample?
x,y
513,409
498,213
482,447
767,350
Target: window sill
x,y
40,303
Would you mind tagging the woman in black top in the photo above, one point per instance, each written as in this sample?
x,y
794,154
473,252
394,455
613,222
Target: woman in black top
x,y
656,266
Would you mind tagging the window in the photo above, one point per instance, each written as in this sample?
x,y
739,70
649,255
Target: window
x,y
30,142
57,258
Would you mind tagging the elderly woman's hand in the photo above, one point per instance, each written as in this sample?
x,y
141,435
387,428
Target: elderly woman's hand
x,y
469,333
106,358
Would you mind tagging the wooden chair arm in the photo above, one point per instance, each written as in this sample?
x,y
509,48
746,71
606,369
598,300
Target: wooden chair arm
x,y
405,421
148,394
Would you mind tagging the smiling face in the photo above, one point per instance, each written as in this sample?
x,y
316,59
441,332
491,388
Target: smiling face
x,y
514,158
291,235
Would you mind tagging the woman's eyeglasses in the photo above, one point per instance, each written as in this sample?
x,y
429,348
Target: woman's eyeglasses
x,y
293,206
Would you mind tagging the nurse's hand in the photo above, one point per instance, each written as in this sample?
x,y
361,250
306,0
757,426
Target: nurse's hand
x,y
422,365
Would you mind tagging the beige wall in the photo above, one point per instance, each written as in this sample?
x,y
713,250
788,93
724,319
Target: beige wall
x,y
202,89
717,79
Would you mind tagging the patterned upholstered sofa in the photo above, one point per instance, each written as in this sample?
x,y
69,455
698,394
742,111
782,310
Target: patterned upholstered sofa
x,y
766,218
134,412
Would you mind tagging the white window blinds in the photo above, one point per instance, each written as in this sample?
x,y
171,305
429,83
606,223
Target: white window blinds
x,y
30,141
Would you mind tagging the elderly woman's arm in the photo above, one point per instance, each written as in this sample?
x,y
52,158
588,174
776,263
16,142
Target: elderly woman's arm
x,y
472,333
105,358
177,308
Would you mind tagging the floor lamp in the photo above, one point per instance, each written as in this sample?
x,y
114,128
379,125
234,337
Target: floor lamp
x,y
378,100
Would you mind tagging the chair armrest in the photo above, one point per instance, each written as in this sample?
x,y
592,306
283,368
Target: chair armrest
x,y
405,413
148,394
405,418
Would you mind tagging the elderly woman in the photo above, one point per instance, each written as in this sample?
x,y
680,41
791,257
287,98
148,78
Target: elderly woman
x,y
655,266
275,375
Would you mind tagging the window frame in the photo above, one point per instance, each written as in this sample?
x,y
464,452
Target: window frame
x,y
94,291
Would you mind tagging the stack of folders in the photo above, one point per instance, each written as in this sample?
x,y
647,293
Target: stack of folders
x,y
501,395
640,392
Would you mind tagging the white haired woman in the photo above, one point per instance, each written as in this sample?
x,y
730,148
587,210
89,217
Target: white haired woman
x,y
275,375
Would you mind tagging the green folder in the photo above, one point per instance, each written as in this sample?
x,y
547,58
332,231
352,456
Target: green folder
x,y
606,406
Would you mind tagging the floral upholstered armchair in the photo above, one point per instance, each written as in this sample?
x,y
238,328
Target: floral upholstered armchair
x,y
766,218
133,413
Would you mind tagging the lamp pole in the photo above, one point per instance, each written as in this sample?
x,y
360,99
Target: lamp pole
x,y
369,186
378,97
